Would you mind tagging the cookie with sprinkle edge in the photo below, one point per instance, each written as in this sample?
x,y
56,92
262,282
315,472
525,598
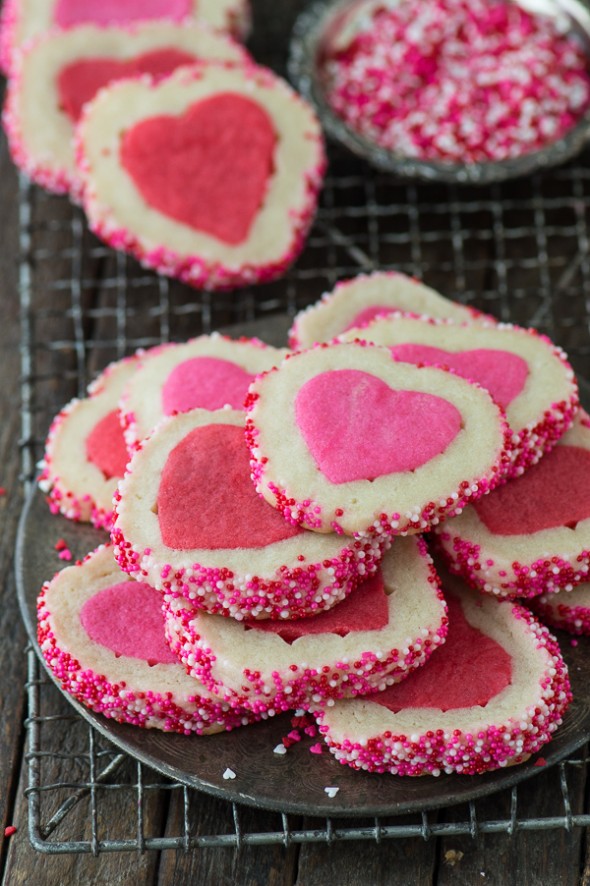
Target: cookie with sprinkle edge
x,y
532,535
102,636
355,302
343,439
490,697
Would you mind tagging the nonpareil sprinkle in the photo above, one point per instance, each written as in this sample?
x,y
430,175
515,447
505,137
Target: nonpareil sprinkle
x,y
460,81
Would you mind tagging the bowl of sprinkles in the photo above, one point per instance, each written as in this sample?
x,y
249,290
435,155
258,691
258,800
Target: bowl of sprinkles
x,y
471,91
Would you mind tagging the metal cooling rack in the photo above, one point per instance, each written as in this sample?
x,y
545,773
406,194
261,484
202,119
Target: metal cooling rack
x,y
519,251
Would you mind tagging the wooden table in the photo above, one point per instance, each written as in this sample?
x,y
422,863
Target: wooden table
x,y
519,250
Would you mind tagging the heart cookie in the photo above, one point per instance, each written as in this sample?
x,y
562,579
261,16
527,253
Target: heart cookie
x,y
491,696
85,453
354,303
23,20
211,175
343,439
189,519
524,372
532,535
208,372
102,636
63,70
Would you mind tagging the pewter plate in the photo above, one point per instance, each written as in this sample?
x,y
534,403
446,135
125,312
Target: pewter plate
x,y
294,782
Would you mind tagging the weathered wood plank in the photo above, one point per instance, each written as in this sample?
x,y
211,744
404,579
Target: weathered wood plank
x,y
12,660
249,866
535,857
393,862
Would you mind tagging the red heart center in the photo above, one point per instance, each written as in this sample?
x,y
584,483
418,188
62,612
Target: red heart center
x,y
208,168
79,81
127,619
554,492
501,373
365,609
119,12
207,500
105,446
205,383
358,428
467,671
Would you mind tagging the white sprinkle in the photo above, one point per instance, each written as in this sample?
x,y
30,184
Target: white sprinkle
x,y
280,749
229,773
331,792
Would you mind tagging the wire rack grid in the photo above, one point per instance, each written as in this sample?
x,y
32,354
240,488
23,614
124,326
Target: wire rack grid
x,y
519,251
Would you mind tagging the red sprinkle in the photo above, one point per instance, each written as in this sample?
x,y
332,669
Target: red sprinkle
x,y
9,830
540,762
61,545
458,80
2,491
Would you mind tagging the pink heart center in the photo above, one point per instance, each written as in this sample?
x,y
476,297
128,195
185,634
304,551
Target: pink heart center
x,y
79,81
105,446
554,492
207,500
365,609
368,314
205,383
117,12
501,373
208,168
127,619
358,428
467,671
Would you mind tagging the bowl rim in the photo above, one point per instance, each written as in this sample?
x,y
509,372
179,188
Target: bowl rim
x,y
303,65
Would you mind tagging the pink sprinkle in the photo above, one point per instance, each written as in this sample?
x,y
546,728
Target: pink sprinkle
x,y
316,748
2,491
65,555
9,830
311,731
294,735
458,80
573,642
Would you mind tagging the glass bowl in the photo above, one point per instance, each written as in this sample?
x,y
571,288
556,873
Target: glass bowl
x,y
315,33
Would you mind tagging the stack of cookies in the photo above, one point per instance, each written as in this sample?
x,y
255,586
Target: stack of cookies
x,y
273,530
